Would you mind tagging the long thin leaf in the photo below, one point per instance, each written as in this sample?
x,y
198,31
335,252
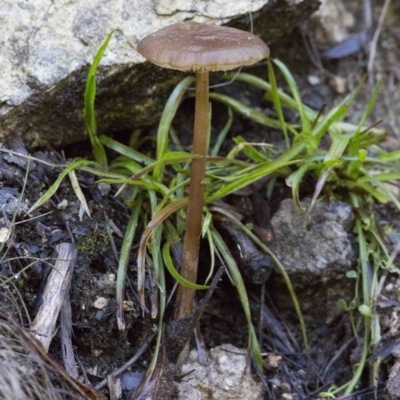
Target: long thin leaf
x,y
90,96
79,194
169,114
294,181
245,111
305,122
332,159
241,289
355,142
174,273
222,135
157,219
124,260
259,172
125,150
54,187
277,101
279,266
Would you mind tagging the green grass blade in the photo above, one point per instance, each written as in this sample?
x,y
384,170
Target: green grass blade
x,y
392,156
245,111
174,273
211,246
335,114
294,180
156,220
124,259
280,268
169,113
305,122
355,142
285,99
54,187
90,116
79,194
259,171
288,101
157,261
125,150
241,289
381,197
223,133
332,159
277,102
141,183
171,157
363,259
249,149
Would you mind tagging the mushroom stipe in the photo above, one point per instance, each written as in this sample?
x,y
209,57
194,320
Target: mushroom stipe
x,y
201,48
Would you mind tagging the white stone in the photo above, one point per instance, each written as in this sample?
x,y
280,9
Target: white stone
x,y
47,47
222,378
62,205
313,80
217,9
43,41
100,303
334,22
4,234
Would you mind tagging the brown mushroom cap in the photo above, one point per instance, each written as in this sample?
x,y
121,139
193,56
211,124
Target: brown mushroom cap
x,y
200,47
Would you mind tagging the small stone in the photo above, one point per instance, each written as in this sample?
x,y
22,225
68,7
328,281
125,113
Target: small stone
x,y
128,305
62,205
302,373
275,382
272,361
97,352
223,377
339,84
313,80
318,244
100,303
104,188
286,387
4,234
317,250
389,287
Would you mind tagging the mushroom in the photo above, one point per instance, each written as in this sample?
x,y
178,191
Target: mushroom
x,y
201,48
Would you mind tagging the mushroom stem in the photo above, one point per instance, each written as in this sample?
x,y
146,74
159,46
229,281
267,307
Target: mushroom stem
x,y
191,245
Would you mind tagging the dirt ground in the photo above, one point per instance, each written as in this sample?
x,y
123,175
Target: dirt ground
x,y
98,345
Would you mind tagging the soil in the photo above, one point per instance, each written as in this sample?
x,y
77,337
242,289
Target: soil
x,y
99,346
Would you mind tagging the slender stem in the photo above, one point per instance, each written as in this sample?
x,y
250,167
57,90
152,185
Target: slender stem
x,y
191,245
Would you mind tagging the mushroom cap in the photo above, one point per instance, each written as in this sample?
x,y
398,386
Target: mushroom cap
x,y
194,46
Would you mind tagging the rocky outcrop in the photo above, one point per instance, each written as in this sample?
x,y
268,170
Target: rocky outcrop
x,y
47,48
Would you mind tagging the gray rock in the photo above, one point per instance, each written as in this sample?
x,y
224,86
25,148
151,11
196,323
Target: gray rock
x,y
320,245
316,253
47,48
393,383
11,203
222,377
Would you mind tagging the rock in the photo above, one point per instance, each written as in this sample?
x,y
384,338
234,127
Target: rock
x,y
100,303
393,383
318,246
223,377
333,21
47,48
11,202
316,252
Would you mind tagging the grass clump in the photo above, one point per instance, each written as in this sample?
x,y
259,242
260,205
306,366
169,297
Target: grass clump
x,y
353,167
